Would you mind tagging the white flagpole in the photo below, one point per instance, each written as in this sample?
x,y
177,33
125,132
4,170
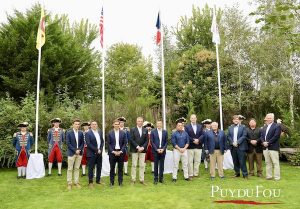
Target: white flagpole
x,y
219,85
219,76
103,82
163,74
37,100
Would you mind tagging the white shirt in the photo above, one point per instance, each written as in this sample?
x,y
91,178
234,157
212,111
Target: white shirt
x,y
76,137
159,136
117,139
235,133
268,128
194,128
96,133
140,130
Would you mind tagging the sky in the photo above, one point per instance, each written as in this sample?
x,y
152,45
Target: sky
x,y
128,21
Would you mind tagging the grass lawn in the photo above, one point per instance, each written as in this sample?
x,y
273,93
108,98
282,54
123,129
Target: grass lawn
x,y
51,192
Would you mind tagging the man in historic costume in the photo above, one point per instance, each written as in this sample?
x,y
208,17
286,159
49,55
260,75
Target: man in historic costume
x,y
127,134
149,154
194,130
22,141
86,128
205,157
56,138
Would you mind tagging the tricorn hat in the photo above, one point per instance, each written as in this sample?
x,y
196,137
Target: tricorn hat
x,y
55,120
207,121
181,120
121,119
241,117
23,124
85,124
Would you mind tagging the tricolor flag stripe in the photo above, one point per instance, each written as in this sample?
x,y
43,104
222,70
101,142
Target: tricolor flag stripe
x,y
158,33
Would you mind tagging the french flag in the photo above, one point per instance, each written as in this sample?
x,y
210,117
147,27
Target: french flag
x,y
158,33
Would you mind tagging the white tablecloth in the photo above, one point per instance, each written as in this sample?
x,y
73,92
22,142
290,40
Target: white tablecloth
x,y
105,165
227,163
35,166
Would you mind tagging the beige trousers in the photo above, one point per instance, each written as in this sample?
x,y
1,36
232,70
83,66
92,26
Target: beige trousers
x,y
194,160
135,158
272,160
184,160
73,164
218,158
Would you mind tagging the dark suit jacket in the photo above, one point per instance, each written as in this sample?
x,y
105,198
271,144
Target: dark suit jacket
x,y
199,135
210,141
155,140
71,142
273,136
135,139
112,141
91,143
254,135
241,137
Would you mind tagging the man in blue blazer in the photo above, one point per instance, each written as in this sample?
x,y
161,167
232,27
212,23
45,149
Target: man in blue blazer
x,y
94,141
194,130
159,142
237,138
116,150
215,145
270,140
75,143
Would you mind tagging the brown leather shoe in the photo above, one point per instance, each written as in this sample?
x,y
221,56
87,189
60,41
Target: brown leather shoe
x,y
91,185
142,182
69,186
269,178
78,186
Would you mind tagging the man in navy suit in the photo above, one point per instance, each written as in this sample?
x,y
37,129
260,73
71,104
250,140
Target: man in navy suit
x,y
116,149
94,142
138,145
75,142
215,145
159,141
270,140
237,138
194,130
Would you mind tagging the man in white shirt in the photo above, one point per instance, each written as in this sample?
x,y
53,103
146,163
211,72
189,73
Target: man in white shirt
x,y
75,143
116,150
94,142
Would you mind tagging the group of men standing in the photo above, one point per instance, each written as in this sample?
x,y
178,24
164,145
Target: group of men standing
x,y
190,143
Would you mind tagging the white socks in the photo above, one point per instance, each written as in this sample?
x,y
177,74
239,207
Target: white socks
x,y
152,166
83,169
49,167
20,171
59,167
125,167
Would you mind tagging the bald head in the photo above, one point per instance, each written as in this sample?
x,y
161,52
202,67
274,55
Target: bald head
x,y
193,119
214,126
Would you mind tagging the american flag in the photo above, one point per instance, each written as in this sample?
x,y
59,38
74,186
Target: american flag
x,y
158,33
101,28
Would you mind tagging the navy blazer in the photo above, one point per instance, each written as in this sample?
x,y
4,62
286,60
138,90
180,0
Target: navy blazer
x,y
91,143
137,140
273,136
210,141
112,141
199,135
241,137
155,140
71,142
